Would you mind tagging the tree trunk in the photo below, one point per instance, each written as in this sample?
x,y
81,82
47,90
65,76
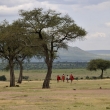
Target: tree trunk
x,y
48,77
49,57
21,73
12,76
101,76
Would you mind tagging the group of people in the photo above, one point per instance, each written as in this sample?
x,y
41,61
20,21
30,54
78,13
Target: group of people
x,y
71,78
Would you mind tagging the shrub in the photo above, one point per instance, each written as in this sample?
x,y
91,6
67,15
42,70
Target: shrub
x,y
3,78
94,77
25,77
87,77
76,78
81,78
107,77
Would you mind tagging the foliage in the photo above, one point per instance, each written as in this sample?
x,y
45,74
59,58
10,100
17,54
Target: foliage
x,y
7,68
54,30
25,77
3,78
11,44
98,64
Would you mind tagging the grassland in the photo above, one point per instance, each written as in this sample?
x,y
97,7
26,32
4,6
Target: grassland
x,y
40,73
79,95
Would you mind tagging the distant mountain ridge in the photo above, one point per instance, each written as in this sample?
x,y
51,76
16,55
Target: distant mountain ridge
x,y
99,52
75,54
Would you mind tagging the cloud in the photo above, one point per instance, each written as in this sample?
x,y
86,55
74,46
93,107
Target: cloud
x,y
12,7
107,24
101,6
12,3
92,15
6,10
96,35
12,13
71,2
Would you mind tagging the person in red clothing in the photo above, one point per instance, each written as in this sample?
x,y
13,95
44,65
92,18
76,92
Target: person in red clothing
x,y
58,78
71,78
63,77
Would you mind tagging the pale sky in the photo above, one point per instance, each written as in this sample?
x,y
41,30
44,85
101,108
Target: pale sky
x,y
92,15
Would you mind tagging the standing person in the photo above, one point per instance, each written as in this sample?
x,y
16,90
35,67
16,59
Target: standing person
x,y
67,78
63,77
58,78
71,78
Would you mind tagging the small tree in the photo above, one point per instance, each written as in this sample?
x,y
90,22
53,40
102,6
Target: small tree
x,y
26,54
101,64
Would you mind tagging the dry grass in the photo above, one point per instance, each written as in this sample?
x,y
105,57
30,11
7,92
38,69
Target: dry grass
x,y
80,95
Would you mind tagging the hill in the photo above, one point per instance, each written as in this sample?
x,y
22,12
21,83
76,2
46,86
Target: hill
x,y
75,54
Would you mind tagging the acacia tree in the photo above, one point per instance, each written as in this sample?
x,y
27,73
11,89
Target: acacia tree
x,y
26,53
55,30
11,45
96,64
20,58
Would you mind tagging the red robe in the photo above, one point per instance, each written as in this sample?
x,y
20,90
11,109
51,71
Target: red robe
x,y
58,78
63,78
71,77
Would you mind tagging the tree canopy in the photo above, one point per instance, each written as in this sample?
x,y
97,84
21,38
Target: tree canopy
x,y
13,40
11,44
100,64
54,30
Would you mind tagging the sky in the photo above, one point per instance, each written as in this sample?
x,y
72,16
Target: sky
x,y
92,15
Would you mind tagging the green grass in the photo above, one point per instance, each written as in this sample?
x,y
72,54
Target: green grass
x,y
40,74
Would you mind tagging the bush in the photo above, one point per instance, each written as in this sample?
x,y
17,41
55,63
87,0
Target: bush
x,y
87,77
94,77
107,77
3,78
25,77
76,78
81,78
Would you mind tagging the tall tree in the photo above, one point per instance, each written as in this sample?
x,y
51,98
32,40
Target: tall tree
x,y
96,64
55,30
10,44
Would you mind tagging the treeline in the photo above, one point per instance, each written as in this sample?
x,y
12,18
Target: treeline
x,y
42,65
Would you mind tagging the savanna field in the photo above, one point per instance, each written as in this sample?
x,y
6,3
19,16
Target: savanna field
x,y
81,94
